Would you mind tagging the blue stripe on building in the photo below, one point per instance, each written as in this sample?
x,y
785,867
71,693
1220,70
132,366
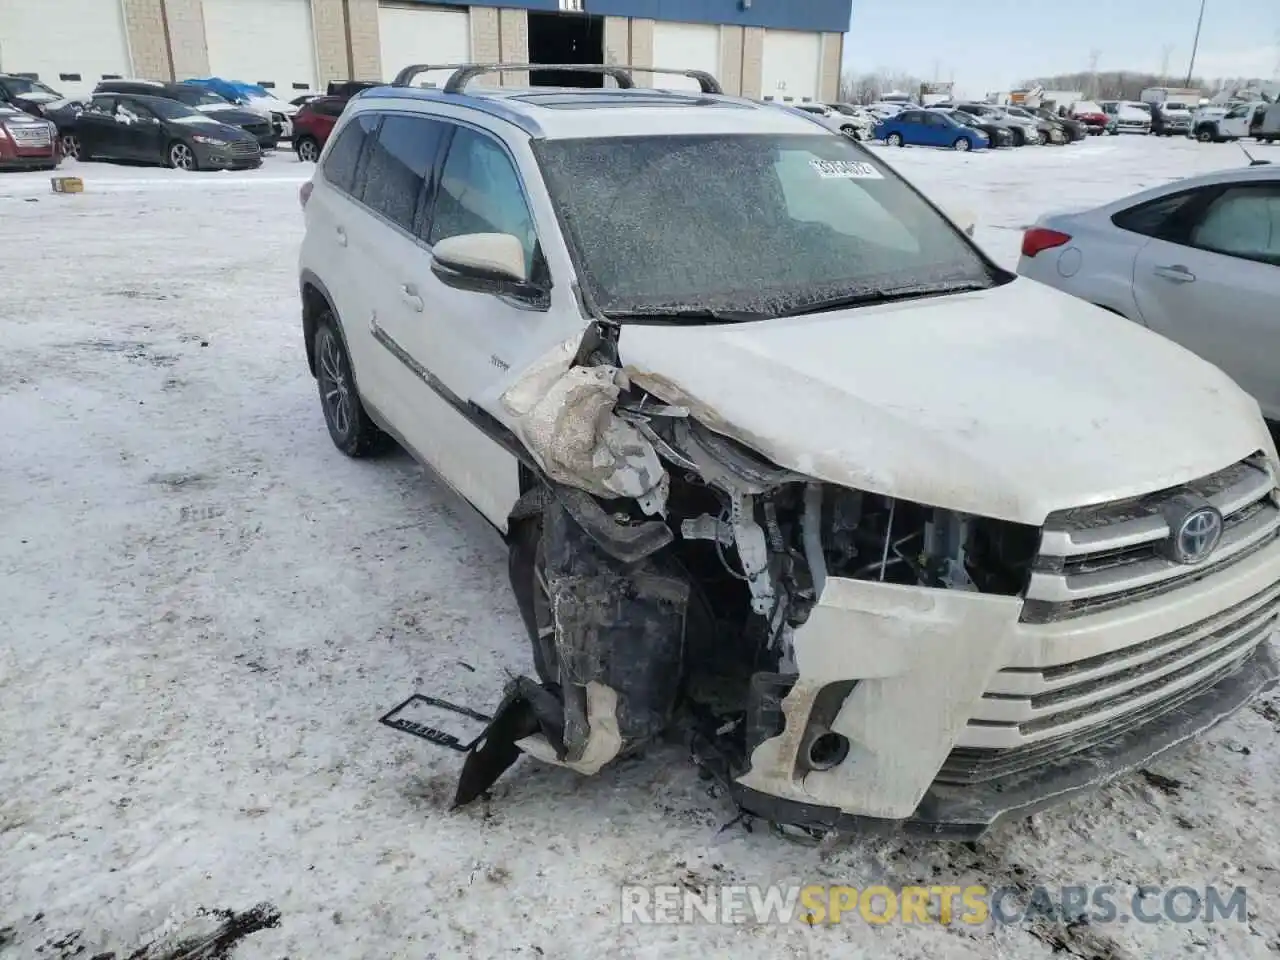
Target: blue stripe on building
x,y
826,16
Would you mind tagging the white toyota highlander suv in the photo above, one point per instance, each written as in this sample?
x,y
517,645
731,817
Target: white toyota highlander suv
x,y
784,461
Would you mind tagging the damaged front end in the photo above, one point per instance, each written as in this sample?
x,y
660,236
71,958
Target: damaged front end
x,y
670,576
844,659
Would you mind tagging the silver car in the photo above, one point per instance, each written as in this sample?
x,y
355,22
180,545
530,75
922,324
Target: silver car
x,y
1197,260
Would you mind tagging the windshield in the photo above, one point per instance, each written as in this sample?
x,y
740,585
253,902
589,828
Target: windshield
x,y
755,225
959,116
195,97
20,85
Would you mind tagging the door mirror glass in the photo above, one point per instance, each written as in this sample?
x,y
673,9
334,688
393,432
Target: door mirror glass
x,y
483,263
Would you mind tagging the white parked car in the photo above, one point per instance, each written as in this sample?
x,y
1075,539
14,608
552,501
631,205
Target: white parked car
x,y
836,121
1133,117
782,458
1197,260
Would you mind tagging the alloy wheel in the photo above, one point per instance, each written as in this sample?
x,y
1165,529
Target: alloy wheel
x,y
181,157
71,146
308,151
335,386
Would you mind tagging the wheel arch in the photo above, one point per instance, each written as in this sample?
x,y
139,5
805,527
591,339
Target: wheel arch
x,y
316,301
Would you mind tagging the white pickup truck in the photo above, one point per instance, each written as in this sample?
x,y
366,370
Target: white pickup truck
x,y
1217,124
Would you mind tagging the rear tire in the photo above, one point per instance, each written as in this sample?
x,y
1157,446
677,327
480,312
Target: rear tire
x,y
350,427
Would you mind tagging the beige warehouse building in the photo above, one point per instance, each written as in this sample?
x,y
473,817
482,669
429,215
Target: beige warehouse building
x,y
759,48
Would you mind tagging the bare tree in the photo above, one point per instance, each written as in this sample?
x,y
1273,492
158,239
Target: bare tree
x,y
1109,84
870,87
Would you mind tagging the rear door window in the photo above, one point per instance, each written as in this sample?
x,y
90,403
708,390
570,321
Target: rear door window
x,y
1164,218
340,165
401,162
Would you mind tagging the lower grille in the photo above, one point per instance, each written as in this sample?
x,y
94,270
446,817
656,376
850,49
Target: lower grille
x,y
968,766
1030,716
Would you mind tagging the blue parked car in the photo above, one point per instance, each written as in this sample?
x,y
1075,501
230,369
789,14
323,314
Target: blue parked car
x,y
254,97
929,128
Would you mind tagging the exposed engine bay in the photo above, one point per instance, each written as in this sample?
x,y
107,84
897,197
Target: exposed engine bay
x,y
663,569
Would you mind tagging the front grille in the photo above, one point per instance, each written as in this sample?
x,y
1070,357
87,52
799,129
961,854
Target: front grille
x,y
30,136
245,148
1096,558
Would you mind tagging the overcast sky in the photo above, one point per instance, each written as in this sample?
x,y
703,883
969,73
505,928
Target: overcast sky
x,y
989,45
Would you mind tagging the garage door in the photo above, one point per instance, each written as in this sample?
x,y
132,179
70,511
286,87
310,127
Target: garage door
x,y
262,41
684,46
792,64
57,38
417,34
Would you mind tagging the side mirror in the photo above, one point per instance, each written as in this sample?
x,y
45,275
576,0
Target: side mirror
x,y
484,263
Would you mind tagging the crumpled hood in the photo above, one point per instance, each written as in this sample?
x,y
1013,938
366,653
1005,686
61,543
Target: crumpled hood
x,y
1007,403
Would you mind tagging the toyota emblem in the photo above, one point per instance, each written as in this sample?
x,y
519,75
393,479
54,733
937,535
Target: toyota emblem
x,y
1196,535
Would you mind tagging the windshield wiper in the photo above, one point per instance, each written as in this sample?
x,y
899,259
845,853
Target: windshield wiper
x,y
870,297
690,315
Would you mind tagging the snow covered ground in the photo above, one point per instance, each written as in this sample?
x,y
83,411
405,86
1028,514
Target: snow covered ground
x,y
205,608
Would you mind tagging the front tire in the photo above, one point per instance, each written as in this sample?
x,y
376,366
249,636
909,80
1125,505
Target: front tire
x,y
1205,135
180,156
961,144
350,428
307,149
894,140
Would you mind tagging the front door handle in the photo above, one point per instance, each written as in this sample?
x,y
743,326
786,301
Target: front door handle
x,y
1175,272
409,294
342,236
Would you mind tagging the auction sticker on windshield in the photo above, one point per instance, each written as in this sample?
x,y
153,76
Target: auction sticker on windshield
x,y
845,169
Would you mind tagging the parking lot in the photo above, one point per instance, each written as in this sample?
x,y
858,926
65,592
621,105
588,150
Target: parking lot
x,y
208,609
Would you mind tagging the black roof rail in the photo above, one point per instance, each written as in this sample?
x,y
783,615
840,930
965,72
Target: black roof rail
x,y
463,73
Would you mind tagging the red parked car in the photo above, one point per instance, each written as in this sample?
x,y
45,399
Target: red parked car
x,y
1091,115
312,125
27,143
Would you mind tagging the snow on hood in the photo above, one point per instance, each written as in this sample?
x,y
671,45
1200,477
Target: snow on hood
x,y
37,96
198,119
271,105
1007,403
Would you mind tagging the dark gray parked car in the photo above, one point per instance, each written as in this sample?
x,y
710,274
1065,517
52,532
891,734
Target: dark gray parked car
x,y
152,129
210,104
